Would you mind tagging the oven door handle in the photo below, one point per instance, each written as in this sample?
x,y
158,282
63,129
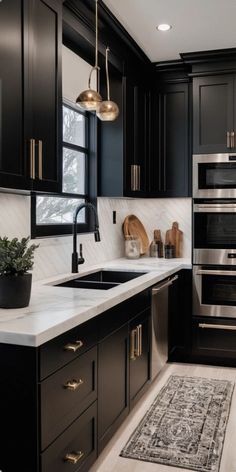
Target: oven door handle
x,y
216,326
216,272
217,208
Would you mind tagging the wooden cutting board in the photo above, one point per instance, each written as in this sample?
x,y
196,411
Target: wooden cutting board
x,y
174,236
132,226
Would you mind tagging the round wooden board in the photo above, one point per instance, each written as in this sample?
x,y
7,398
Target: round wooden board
x,y
132,226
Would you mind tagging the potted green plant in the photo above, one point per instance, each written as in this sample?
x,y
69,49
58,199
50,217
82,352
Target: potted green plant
x,y
16,259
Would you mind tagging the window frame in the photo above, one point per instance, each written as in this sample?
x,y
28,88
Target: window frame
x,y
90,151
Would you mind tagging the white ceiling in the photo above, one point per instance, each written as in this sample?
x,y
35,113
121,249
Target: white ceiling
x,y
197,25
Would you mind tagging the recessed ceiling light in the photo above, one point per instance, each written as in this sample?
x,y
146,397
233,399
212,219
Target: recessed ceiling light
x,y
164,27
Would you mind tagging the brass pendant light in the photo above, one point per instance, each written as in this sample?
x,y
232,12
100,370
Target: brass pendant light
x,y
90,99
107,110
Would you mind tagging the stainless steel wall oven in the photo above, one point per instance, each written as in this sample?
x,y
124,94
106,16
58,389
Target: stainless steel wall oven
x,y
214,232
214,291
214,176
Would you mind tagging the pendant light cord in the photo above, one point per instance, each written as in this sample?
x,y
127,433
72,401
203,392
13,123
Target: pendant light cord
x,y
107,74
96,66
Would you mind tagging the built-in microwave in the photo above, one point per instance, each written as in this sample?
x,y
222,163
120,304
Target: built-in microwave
x,y
214,175
214,291
214,232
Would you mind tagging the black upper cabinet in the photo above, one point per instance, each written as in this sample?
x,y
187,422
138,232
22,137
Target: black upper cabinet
x,y
123,150
13,169
170,155
45,92
30,79
136,137
213,114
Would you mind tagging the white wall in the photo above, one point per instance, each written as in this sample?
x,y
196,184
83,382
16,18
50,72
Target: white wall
x,y
54,254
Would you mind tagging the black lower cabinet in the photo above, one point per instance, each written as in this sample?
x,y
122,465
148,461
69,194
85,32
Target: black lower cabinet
x,y
214,341
139,355
71,394
113,404
76,448
180,317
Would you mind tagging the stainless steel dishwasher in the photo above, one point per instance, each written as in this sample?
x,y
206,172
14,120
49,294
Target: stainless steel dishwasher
x,y
160,306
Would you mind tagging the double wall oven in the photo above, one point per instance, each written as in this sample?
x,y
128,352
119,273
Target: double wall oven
x,y
214,235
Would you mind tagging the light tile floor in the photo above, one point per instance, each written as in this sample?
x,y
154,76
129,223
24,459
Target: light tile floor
x,y
109,460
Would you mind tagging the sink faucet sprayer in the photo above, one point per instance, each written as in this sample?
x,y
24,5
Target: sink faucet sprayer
x,y
75,259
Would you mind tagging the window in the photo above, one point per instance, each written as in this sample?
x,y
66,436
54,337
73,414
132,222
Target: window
x,y
53,214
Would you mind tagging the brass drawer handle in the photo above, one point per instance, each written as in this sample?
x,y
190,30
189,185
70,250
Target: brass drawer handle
x,y
73,457
73,384
73,346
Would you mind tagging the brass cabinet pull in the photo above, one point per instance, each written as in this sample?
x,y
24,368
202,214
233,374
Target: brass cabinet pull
x,y
132,339
228,140
216,326
73,346
73,384
32,158
40,159
73,457
140,339
135,177
232,135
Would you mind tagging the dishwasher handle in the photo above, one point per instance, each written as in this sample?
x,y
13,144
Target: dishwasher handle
x,y
161,287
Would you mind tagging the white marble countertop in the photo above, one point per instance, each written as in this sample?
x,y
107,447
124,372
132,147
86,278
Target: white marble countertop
x,y
54,310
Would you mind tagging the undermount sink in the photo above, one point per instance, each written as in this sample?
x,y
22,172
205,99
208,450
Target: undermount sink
x,y
102,279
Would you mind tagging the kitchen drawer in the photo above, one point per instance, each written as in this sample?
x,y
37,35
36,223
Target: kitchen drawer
x,y
78,439
66,394
214,338
116,317
64,348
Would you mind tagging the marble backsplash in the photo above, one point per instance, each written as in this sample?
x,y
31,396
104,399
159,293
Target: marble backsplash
x,y
54,254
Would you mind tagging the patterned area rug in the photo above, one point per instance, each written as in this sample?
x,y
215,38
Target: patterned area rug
x,y
185,426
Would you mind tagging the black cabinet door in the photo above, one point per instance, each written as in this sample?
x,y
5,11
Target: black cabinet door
x,y
44,103
136,137
139,355
13,44
170,157
213,113
112,384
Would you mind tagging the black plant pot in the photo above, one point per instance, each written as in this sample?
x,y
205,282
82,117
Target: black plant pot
x,y
15,290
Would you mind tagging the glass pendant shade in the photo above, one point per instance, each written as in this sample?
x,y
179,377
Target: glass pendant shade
x,y
107,110
89,99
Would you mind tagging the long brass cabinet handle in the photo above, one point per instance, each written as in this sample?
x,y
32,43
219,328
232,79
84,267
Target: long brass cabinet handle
x,y
228,139
132,344
40,159
73,457
73,384
232,136
135,177
73,346
140,339
32,158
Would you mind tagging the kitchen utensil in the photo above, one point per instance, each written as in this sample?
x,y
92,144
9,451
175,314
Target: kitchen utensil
x,y
132,226
174,237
